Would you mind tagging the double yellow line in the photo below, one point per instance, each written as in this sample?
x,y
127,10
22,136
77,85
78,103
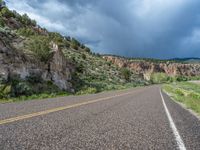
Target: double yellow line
x,y
45,112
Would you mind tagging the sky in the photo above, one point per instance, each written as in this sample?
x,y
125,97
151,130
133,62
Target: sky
x,y
132,28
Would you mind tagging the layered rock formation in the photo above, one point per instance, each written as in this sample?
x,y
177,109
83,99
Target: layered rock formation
x,y
146,68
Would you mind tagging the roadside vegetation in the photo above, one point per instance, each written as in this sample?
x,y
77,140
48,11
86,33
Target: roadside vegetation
x,y
186,93
160,78
33,87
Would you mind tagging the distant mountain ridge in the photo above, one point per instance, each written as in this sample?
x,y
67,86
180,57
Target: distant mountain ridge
x,y
147,67
189,59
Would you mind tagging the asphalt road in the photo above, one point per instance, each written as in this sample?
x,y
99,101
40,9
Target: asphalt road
x,y
128,119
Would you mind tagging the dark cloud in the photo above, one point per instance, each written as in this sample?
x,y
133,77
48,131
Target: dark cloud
x,y
134,28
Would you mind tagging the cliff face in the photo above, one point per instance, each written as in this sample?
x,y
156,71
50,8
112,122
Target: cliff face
x,y
16,63
147,68
59,69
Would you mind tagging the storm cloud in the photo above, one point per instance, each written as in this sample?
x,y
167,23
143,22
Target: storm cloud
x,y
133,28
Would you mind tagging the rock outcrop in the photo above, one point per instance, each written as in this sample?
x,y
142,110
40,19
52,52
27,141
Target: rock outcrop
x,y
146,68
16,63
59,69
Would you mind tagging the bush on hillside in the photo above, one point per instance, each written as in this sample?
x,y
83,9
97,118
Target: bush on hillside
x,y
82,46
87,49
59,40
33,22
87,90
83,56
181,78
21,88
126,73
27,32
4,91
158,78
25,19
5,12
66,44
68,38
40,48
17,15
56,37
80,68
18,87
2,24
75,44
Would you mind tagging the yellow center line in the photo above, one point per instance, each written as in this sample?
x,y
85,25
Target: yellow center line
x,y
45,112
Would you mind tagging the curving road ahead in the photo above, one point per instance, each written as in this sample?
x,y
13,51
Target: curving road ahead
x,y
140,118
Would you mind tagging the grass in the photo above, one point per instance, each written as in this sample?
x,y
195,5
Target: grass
x,y
34,97
185,93
83,91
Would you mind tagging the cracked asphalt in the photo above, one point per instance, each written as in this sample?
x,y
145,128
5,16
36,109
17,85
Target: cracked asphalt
x,y
136,120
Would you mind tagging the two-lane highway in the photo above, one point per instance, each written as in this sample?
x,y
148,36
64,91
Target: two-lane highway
x,y
141,118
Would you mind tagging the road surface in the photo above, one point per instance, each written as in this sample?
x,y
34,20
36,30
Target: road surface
x,y
140,118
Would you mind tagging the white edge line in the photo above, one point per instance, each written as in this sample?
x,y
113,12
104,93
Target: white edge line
x,y
178,138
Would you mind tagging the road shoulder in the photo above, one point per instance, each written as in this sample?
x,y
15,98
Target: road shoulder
x,y
187,124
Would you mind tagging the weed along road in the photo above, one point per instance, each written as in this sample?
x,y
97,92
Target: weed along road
x,y
140,118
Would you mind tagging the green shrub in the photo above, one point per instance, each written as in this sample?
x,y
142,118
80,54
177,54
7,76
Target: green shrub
x,y
66,44
2,24
40,48
75,44
80,68
26,32
179,92
16,15
87,49
84,56
57,38
5,90
109,63
26,20
126,73
33,22
181,78
82,46
21,88
194,95
160,78
5,12
88,90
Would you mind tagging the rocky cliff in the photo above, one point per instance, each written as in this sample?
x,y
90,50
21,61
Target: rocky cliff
x,y
17,63
146,68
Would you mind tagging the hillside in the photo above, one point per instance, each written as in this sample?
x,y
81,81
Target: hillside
x,y
148,67
35,61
